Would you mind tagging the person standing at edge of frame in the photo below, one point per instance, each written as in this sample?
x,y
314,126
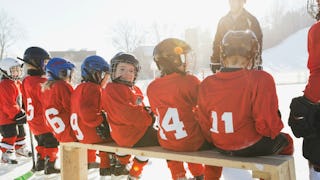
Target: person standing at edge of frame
x,y
304,118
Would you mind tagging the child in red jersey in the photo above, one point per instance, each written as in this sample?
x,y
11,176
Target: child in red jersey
x,y
12,116
35,59
56,104
238,106
130,121
174,97
88,121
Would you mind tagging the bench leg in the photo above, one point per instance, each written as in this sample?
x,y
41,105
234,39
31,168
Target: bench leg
x,y
292,171
73,163
286,171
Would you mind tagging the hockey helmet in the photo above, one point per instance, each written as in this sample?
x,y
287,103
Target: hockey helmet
x,y
11,68
36,57
172,53
241,43
94,68
123,57
59,68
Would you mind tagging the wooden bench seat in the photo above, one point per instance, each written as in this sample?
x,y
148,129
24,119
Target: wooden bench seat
x,y
278,167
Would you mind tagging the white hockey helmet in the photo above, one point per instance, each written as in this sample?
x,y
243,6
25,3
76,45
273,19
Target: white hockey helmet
x,y
11,68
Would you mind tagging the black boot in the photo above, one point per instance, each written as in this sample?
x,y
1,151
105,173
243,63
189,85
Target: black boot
x,y
93,165
49,167
201,177
40,163
105,171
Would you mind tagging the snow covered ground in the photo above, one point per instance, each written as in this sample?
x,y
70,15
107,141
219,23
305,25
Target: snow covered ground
x,y
286,62
157,169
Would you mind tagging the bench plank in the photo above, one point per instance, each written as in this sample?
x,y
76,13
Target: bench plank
x,y
267,167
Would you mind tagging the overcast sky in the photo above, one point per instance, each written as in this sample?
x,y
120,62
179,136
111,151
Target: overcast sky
x,y
86,24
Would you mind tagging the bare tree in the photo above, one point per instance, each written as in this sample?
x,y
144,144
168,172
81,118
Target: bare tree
x,y
127,36
8,32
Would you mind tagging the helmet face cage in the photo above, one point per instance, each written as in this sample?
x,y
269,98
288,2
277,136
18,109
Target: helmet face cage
x,y
59,69
36,57
313,8
124,58
170,54
241,43
94,69
189,61
12,68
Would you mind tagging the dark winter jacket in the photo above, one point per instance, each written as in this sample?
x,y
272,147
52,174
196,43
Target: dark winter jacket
x,y
244,21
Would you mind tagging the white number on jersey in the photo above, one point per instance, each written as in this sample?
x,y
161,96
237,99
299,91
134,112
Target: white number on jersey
x,y
30,109
228,122
75,126
171,122
55,122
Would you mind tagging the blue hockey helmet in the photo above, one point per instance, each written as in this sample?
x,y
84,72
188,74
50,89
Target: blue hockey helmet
x,y
59,68
94,68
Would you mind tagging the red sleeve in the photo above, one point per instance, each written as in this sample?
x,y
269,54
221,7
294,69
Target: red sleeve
x,y
90,107
313,87
9,94
192,89
265,106
202,116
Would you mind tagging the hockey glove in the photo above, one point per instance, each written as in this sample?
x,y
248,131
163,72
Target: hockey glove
x,y
153,116
103,129
21,118
303,117
215,67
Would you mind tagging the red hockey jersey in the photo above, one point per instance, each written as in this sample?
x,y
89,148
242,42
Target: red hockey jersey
x,y
237,108
312,90
86,112
174,98
10,96
127,117
56,106
32,96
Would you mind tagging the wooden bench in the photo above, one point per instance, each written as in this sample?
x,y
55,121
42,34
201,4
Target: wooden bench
x,y
74,160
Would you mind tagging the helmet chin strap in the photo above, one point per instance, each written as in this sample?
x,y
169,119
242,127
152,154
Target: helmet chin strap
x,y
5,74
119,80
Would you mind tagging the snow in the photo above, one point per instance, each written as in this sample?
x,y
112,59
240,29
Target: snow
x,y
286,62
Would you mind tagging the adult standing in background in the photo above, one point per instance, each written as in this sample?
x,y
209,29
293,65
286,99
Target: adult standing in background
x,y
238,18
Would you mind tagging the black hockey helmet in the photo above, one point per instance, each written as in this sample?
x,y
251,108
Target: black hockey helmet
x,y
170,54
241,43
123,57
36,57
